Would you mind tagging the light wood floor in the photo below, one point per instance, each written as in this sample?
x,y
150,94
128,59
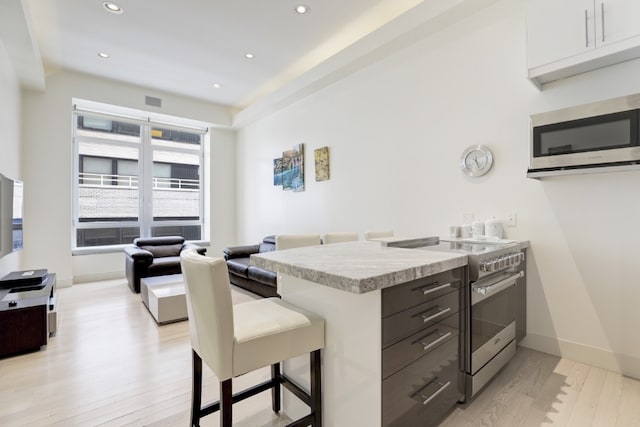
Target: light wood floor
x,y
110,364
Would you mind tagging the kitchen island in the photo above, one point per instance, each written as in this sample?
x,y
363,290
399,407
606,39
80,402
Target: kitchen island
x,y
346,284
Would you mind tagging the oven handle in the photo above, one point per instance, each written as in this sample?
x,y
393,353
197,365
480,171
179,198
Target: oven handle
x,y
486,291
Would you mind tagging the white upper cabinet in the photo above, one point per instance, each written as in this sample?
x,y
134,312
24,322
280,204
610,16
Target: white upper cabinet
x,y
567,37
616,20
558,29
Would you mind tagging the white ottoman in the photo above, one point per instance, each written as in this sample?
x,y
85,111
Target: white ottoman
x,y
165,298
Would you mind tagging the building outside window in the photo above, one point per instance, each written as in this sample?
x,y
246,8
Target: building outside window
x,y
135,178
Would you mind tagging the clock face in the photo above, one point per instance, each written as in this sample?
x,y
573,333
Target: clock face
x,y
476,160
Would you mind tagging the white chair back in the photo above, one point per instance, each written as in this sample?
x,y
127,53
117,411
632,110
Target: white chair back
x,y
210,310
368,235
290,241
339,237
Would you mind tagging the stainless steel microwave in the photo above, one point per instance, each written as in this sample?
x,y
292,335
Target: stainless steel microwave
x,y
599,136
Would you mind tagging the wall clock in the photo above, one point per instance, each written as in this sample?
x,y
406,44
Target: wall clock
x,y
476,160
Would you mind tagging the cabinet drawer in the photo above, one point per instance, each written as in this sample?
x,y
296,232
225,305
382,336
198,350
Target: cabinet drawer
x,y
398,298
414,319
24,329
419,344
423,393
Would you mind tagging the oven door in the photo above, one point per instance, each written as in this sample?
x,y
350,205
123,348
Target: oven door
x,y
492,318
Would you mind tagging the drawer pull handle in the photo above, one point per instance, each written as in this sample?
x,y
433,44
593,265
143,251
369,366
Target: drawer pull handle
x,y
426,290
427,346
441,311
426,399
586,28
602,17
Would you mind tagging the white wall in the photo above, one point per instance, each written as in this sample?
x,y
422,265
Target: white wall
x,y
10,156
395,132
48,170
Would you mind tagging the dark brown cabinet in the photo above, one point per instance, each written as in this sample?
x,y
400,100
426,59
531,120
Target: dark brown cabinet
x,y
25,319
422,369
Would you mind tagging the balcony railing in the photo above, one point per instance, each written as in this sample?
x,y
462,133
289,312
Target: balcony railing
x,y
129,181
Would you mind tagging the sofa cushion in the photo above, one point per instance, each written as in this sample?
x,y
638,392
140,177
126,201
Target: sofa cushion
x,y
238,266
164,250
138,254
158,241
270,239
165,265
240,251
267,247
261,275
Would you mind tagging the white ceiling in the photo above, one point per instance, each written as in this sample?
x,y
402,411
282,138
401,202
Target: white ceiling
x,y
185,47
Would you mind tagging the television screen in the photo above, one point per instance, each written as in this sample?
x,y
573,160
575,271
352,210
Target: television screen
x,y
11,214
16,222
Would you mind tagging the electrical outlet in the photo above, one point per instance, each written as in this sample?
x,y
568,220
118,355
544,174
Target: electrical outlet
x,y
467,217
512,219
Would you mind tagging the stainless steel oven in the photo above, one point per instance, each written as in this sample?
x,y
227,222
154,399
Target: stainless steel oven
x,y
495,314
492,326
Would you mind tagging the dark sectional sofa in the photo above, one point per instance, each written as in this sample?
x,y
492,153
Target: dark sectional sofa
x,y
241,273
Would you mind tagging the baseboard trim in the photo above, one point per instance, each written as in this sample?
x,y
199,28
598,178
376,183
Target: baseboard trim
x,y
621,363
63,283
95,277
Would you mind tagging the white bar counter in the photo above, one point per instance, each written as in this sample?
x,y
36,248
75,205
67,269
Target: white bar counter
x,y
342,282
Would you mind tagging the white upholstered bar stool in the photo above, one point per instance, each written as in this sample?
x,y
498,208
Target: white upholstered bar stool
x,y
291,241
339,237
235,339
368,235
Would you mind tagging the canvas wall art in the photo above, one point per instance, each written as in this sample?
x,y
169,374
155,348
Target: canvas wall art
x,y
277,171
288,171
321,156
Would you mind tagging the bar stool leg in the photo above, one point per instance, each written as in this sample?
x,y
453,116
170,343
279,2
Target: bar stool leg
x,y
196,392
316,387
226,402
275,391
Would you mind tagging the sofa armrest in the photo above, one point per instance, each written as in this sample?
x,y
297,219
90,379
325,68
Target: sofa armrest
x,y
240,251
139,254
199,249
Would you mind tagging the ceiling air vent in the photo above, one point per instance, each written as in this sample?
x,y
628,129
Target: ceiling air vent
x,y
154,102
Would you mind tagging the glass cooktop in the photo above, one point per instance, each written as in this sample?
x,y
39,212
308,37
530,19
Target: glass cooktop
x,y
466,247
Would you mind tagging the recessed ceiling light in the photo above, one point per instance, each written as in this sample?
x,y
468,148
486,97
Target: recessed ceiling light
x,y
249,55
112,7
217,85
301,9
103,55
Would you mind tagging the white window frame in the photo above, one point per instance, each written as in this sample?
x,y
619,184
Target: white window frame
x,y
145,221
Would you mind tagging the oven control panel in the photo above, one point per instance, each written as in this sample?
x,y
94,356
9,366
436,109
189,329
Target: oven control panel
x,y
501,262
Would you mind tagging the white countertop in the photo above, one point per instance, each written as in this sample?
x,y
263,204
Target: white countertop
x,y
358,267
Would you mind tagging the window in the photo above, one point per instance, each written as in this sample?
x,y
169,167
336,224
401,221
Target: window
x,y
135,178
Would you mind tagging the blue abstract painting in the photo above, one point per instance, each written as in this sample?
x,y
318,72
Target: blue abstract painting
x,y
289,170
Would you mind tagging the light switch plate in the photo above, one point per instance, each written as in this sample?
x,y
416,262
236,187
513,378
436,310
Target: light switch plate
x,y
512,219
